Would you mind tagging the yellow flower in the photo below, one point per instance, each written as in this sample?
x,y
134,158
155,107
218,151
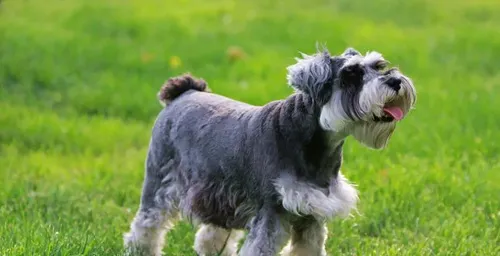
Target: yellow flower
x,y
175,62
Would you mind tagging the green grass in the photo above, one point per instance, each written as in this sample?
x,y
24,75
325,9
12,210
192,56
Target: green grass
x,y
78,84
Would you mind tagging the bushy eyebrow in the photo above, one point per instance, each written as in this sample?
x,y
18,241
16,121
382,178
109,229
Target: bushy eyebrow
x,y
373,58
390,71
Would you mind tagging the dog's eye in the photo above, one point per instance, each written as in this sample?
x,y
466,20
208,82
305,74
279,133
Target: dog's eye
x,y
380,65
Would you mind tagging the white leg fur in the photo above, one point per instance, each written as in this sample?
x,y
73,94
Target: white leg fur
x,y
210,240
147,232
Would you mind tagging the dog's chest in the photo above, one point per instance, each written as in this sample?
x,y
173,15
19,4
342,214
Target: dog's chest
x,y
304,198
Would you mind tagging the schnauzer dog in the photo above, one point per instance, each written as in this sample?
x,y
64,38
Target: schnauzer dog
x,y
272,170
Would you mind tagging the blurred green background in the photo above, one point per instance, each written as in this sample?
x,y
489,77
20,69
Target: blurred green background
x,y
78,84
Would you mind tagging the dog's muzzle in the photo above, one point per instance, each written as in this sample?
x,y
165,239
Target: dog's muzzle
x,y
393,109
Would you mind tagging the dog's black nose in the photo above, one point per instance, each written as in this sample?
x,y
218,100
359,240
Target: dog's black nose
x,y
394,83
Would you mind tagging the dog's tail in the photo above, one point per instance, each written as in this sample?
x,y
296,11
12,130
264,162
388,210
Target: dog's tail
x,y
176,86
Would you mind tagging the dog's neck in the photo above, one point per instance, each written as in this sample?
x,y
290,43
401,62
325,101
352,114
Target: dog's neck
x,y
321,151
303,112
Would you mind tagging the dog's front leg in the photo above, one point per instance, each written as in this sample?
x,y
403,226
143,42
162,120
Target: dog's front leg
x,y
308,238
267,235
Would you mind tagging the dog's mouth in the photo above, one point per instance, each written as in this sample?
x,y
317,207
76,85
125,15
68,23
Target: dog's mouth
x,y
392,111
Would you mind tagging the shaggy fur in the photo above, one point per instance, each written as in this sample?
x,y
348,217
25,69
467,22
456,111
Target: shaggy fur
x,y
273,170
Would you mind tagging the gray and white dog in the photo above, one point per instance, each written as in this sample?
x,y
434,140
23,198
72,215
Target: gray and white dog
x,y
273,170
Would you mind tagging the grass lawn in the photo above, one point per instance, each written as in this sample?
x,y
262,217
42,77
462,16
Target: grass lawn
x,y
78,84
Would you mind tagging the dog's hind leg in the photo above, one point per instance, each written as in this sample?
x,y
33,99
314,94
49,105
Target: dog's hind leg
x,y
156,215
212,241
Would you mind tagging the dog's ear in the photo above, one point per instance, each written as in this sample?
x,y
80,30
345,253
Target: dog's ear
x,y
313,75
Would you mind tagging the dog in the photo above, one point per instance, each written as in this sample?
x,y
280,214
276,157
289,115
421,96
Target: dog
x,y
271,170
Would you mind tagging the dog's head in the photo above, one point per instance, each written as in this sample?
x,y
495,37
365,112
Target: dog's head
x,y
358,95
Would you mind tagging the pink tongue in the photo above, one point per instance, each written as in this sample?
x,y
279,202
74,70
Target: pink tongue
x,y
395,112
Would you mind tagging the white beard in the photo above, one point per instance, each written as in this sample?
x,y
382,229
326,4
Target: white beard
x,y
370,133
373,134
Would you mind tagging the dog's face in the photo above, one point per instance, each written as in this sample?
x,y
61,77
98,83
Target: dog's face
x,y
359,95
